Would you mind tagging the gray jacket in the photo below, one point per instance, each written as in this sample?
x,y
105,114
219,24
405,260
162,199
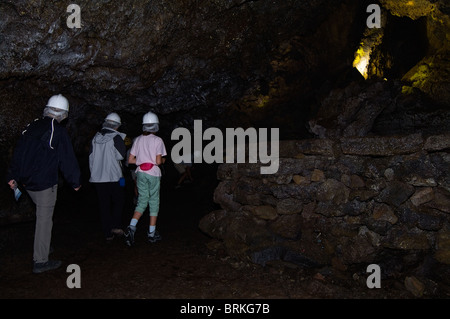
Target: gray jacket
x,y
107,150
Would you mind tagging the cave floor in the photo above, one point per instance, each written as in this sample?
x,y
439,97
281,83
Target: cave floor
x,y
186,264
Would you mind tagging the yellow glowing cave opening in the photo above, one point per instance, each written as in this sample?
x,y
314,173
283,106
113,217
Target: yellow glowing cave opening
x,y
362,59
372,38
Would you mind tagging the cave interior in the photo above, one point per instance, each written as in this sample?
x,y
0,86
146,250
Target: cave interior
x,y
312,69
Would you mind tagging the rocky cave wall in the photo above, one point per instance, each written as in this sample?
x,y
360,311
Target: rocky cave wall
x,y
357,200
373,185
184,60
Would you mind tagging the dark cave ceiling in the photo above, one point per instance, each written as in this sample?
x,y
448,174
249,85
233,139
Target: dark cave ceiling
x,y
233,63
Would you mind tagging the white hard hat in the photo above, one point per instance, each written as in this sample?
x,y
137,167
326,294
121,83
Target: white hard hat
x,y
150,118
59,102
114,117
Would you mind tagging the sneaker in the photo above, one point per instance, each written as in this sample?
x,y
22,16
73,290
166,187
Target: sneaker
x,y
156,237
45,266
129,236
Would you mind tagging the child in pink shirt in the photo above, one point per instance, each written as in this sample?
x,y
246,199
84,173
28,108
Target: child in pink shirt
x,y
147,153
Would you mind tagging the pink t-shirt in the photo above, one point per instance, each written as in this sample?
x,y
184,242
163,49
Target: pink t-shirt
x,y
146,148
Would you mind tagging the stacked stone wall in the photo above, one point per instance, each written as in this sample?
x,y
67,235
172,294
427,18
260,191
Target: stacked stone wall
x,y
339,202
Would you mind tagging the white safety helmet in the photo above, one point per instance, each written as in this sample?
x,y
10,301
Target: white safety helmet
x,y
59,102
113,117
150,118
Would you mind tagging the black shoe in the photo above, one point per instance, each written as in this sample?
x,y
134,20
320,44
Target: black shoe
x,y
129,236
156,237
45,266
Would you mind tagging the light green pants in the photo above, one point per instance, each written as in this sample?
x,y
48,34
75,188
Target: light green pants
x,y
148,189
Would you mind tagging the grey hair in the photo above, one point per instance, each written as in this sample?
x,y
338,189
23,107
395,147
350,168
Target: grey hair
x,y
55,113
151,128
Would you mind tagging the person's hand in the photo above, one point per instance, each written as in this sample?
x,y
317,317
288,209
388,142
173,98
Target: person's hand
x,y
76,189
12,183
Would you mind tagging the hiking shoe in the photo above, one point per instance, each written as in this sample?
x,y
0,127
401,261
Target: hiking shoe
x,y
45,266
129,236
153,239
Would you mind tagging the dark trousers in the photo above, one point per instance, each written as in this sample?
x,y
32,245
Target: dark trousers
x,y
111,199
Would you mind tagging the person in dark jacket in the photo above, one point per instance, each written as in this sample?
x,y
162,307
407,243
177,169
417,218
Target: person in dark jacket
x,y
106,153
44,150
